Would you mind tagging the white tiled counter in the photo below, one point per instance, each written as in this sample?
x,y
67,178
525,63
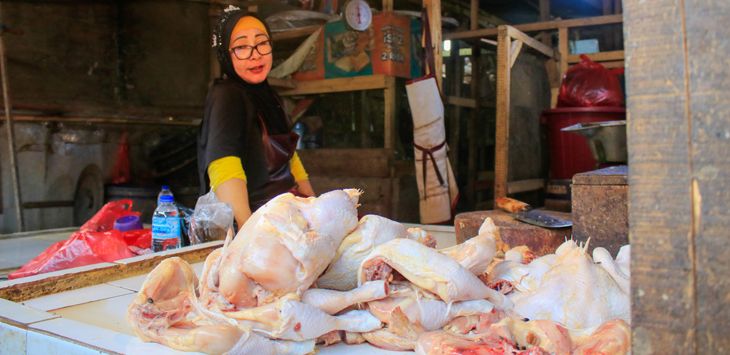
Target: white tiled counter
x,y
91,320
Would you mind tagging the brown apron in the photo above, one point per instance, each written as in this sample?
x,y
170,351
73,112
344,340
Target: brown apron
x,y
278,151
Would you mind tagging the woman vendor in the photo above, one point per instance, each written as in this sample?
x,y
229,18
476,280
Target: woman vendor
x,y
246,150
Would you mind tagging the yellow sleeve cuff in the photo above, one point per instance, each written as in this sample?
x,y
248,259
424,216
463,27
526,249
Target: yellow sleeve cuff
x,y
224,169
297,169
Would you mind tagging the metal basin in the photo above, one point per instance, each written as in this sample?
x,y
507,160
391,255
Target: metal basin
x,y
607,140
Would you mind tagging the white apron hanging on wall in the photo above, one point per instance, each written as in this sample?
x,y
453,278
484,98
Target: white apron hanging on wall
x,y
437,188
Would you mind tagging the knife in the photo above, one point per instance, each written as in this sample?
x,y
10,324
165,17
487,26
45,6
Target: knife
x,y
525,213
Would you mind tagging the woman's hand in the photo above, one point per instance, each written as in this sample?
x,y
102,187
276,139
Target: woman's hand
x,y
305,188
235,193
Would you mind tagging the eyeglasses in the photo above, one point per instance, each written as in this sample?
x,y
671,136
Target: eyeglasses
x,y
245,52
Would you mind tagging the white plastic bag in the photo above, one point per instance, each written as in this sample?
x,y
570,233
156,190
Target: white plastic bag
x,y
211,219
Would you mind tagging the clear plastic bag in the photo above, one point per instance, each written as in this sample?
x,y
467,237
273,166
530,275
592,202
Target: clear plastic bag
x,y
211,219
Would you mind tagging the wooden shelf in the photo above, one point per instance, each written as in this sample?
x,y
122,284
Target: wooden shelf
x,y
326,86
599,57
468,102
357,83
295,33
538,26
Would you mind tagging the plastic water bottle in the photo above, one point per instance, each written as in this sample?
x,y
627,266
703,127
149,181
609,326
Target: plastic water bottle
x,y
301,129
166,232
164,192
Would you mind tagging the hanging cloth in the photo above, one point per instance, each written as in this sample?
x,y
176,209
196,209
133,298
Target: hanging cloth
x,y
437,189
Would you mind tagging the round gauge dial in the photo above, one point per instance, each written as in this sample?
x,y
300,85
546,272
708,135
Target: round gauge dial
x,y
358,14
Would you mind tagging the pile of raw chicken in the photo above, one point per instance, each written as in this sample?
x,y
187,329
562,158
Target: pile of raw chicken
x,y
305,272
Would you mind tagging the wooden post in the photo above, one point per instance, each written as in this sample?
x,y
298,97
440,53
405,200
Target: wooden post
x,y
514,52
474,15
563,49
455,77
387,5
545,16
389,110
501,149
8,107
433,8
471,134
607,5
679,114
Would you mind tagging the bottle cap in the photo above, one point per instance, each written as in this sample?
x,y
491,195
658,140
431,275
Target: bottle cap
x,y
165,187
127,223
167,198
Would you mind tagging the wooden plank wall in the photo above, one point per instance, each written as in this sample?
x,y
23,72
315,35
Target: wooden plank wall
x,y
679,138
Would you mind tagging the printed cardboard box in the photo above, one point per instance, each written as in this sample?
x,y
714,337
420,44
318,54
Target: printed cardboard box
x,y
313,66
390,46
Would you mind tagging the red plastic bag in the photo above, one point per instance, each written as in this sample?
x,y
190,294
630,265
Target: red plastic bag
x,y
121,173
95,242
589,84
140,238
82,248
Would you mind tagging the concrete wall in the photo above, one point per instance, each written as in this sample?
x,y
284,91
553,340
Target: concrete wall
x,y
105,56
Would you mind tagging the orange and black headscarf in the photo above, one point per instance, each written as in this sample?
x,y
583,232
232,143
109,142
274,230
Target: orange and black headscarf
x,y
222,35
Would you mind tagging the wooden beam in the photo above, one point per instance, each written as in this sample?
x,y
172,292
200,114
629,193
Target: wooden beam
x,y
474,15
372,162
563,49
501,149
607,7
468,102
389,106
169,121
514,52
370,82
514,187
614,64
538,26
545,16
531,42
463,8
472,135
295,33
387,5
598,57
433,8
282,83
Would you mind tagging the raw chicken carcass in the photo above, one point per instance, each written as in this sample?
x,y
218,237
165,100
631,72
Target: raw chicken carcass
x,y
289,319
423,309
445,343
371,231
427,269
282,248
574,291
476,253
612,337
164,311
545,334
332,301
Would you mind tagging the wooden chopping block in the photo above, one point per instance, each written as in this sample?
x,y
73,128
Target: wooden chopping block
x,y
513,232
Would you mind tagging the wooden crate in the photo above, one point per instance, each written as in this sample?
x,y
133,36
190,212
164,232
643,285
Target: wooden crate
x,y
600,208
389,187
